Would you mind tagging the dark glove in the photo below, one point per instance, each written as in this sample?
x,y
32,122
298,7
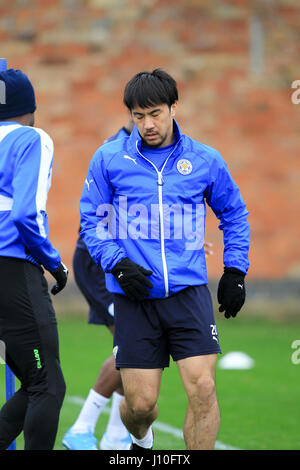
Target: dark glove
x,y
61,276
132,278
231,292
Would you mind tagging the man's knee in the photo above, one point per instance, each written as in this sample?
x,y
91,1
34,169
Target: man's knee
x,y
43,386
141,388
141,406
204,389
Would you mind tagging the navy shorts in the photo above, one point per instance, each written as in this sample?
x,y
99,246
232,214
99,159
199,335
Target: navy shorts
x,y
148,332
90,279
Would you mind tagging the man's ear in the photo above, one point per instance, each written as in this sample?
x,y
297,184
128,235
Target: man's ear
x,y
173,108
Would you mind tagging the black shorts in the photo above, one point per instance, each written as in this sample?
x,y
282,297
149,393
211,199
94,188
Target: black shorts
x,y
148,332
90,279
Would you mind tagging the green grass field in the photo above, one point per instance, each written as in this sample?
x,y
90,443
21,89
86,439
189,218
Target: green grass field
x,y
260,407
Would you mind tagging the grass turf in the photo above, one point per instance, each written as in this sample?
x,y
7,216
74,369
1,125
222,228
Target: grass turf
x,y
259,407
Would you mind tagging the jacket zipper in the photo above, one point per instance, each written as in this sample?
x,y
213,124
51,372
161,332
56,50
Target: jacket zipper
x,y
162,232
161,214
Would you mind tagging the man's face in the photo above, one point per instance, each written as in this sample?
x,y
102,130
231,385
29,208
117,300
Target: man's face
x,y
155,124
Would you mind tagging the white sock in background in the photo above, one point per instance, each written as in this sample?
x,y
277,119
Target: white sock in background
x,y
89,414
115,428
146,442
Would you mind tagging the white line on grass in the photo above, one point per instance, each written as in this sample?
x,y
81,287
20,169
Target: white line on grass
x,y
163,427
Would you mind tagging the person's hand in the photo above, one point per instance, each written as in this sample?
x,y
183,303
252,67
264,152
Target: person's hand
x,y
231,292
207,251
61,276
132,279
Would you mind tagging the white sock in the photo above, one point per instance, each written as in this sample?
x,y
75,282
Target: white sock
x,y
146,442
115,428
89,414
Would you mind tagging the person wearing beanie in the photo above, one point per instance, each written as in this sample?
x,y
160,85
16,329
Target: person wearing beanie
x,y
28,325
19,96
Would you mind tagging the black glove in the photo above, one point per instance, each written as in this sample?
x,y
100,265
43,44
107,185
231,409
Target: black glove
x,y
231,292
132,278
61,276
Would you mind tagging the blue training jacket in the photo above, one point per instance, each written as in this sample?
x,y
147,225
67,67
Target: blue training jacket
x,y
156,216
26,156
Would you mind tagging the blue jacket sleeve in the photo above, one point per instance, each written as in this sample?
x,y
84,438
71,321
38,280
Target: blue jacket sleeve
x,y
224,197
31,183
97,216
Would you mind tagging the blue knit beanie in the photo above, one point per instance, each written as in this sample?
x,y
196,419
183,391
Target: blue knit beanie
x,y
19,94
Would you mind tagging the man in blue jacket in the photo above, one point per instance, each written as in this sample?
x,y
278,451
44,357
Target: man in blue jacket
x,y
27,318
143,210
90,279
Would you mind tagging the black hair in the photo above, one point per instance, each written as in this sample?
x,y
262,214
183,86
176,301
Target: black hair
x,y
148,89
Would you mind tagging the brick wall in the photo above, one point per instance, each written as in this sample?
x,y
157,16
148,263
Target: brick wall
x,y
80,54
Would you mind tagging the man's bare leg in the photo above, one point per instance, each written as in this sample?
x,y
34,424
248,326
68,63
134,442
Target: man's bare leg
x,y
139,408
109,379
203,416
